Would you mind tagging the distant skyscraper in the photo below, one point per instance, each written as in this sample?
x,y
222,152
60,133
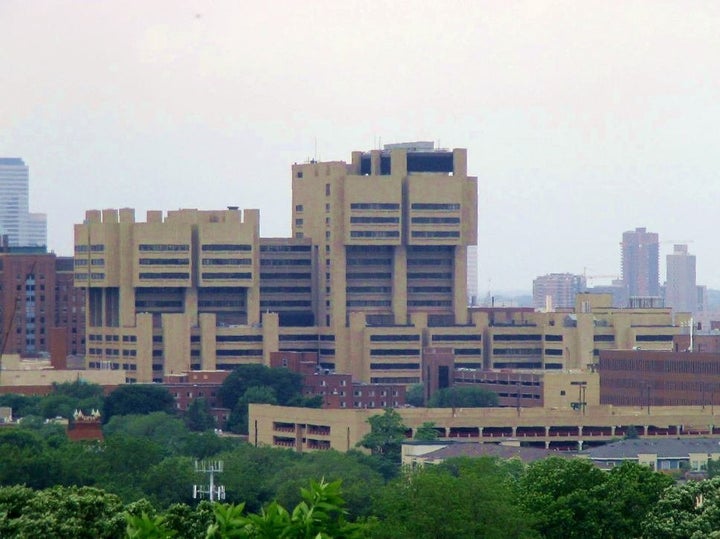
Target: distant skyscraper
x,y
681,288
641,262
16,222
557,290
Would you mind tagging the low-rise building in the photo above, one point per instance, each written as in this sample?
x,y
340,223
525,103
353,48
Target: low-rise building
x,y
311,429
658,453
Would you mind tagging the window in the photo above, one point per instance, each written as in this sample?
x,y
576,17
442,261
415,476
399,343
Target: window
x,y
298,222
435,207
299,207
327,189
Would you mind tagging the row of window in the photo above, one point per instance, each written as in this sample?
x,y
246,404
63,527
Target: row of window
x,y
394,352
374,206
226,247
368,289
368,303
285,262
285,289
164,261
93,276
227,275
375,220
285,248
285,303
284,276
456,338
226,261
369,261
429,303
394,366
161,247
94,248
394,338
374,234
435,234
429,275
435,206
436,220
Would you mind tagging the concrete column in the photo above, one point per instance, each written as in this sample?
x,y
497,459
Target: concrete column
x,y
460,285
208,345
399,288
271,335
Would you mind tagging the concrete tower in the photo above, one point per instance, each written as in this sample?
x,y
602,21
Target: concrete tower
x,y
681,287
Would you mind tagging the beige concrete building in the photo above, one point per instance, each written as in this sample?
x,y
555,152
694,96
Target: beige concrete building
x,y
313,429
374,276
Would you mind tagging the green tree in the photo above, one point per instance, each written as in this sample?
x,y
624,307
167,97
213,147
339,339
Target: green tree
x,y
70,513
198,416
21,405
359,479
460,498
415,395
463,397
713,468
426,432
170,481
387,433
238,420
691,511
627,496
286,385
138,399
319,515
250,471
559,497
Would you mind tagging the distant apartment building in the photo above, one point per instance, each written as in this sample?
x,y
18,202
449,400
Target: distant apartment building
x,y
21,227
640,262
39,304
557,290
681,291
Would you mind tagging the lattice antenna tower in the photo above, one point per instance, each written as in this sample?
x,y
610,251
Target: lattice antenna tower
x,y
212,491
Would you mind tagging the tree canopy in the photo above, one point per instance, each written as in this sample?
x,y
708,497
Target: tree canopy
x,y
462,397
138,399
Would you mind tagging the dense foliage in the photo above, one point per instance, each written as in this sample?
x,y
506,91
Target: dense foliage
x,y
463,397
138,483
260,384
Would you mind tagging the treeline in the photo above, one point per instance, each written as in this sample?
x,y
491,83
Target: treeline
x,y
484,497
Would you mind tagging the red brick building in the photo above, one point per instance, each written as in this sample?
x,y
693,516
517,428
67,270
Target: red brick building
x,y
195,384
37,296
338,390
642,377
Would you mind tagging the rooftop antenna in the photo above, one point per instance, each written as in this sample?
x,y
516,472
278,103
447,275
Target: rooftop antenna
x,y
212,491
316,154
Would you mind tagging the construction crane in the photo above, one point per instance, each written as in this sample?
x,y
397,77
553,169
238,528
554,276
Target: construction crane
x,y
607,276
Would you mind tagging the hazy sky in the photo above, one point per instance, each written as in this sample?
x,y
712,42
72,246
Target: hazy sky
x,y
581,119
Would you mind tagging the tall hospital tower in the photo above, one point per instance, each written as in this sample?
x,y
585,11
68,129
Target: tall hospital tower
x,y
374,274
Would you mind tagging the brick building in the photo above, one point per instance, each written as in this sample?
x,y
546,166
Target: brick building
x,y
39,304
